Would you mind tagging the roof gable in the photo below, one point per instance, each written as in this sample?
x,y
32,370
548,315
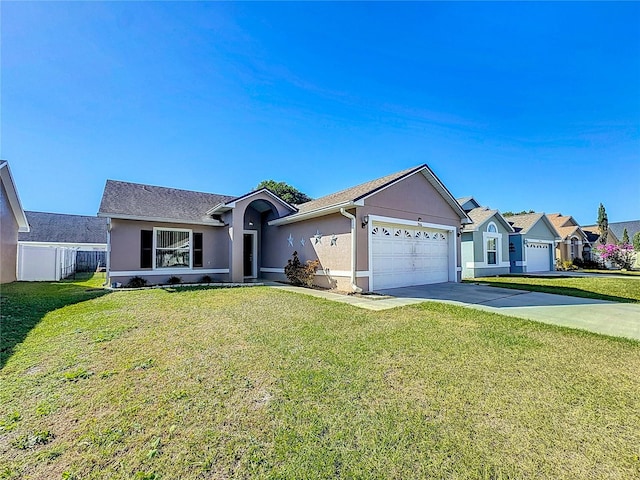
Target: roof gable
x,y
61,228
357,194
468,203
523,223
482,216
12,196
230,204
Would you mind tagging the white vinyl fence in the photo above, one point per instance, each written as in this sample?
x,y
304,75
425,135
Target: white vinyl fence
x,y
45,263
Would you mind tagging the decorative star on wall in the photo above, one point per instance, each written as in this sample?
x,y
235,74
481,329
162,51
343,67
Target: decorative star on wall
x,y
334,240
318,237
290,240
302,242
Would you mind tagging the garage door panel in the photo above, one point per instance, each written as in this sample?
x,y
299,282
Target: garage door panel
x,y
403,256
538,257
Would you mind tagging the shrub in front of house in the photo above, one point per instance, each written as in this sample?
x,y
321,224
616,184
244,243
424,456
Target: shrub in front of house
x,y
136,282
299,273
205,279
174,280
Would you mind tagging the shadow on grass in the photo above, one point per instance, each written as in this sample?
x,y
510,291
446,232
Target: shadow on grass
x,y
24,304
558,290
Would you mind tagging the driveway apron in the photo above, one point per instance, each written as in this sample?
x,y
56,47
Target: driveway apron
x,y
599,316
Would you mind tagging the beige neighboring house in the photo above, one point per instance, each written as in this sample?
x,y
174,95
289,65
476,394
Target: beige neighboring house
x,y
574,242
399,230
12,221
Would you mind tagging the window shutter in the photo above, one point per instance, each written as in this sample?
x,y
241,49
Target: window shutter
x,y
146,248
197,249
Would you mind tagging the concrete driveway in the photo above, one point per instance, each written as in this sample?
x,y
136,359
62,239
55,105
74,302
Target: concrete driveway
x,y
599,316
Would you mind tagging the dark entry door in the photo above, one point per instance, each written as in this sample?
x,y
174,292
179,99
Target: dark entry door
x,y
248,255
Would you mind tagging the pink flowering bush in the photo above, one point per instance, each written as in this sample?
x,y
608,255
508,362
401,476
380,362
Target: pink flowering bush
x,y
620,255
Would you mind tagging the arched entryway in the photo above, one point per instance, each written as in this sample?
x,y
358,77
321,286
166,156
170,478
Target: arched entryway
x,y
256,215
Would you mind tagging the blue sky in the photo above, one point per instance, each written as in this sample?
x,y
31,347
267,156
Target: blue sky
x,y
523,105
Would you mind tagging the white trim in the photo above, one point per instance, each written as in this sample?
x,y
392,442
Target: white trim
x,y
271,270
453,250
12,196
184,271
498,237
254,253
521,263
342,273
90,246
232,204
154,253
535,240
212,223
484,265
299,217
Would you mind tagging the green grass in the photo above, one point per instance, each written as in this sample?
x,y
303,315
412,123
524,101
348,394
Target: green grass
x,y
626,290
259,383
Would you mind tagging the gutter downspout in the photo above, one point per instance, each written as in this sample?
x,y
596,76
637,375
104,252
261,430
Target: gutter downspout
x,y
108,254
355,287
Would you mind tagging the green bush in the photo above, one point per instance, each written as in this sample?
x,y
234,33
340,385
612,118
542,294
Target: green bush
x,y
137,282
301,274
173,280
205,279
578,262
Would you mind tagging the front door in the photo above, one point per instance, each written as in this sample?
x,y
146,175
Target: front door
x,y
248,255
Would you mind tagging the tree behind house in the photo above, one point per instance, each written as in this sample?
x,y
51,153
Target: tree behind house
x,y
603,224
285,191
625,237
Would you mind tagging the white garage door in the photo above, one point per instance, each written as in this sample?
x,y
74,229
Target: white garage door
x,y
538,257
403,256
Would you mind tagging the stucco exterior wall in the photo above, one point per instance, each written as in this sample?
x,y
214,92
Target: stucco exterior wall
x,y
516,246
540,231
8,239
334,257
474,263
409,199
125,252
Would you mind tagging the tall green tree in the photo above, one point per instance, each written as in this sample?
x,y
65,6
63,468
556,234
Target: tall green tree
x,y
285,191
603,224
636,241
625,237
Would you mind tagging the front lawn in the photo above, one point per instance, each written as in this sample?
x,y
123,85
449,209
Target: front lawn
x,y
625,290
260,383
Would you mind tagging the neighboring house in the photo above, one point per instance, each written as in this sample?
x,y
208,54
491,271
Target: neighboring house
x,y
59,244
593,236
485,242
614,236
632,226
531,246
12,221
394,231
573,240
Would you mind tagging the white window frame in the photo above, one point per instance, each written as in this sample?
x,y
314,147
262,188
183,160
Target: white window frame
x,y
154,254
486,236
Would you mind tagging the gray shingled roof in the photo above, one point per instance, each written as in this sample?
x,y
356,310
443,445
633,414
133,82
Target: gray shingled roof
x,y
353,193
479,216
134,200
632,227
522,223
61,228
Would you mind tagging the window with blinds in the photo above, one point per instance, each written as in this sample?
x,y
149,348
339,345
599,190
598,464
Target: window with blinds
x,y
173,248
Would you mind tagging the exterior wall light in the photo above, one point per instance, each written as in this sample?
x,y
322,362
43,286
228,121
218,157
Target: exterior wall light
x,y
365,221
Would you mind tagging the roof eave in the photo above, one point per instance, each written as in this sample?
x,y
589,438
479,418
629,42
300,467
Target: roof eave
x,y
14,199
212,223
320,212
